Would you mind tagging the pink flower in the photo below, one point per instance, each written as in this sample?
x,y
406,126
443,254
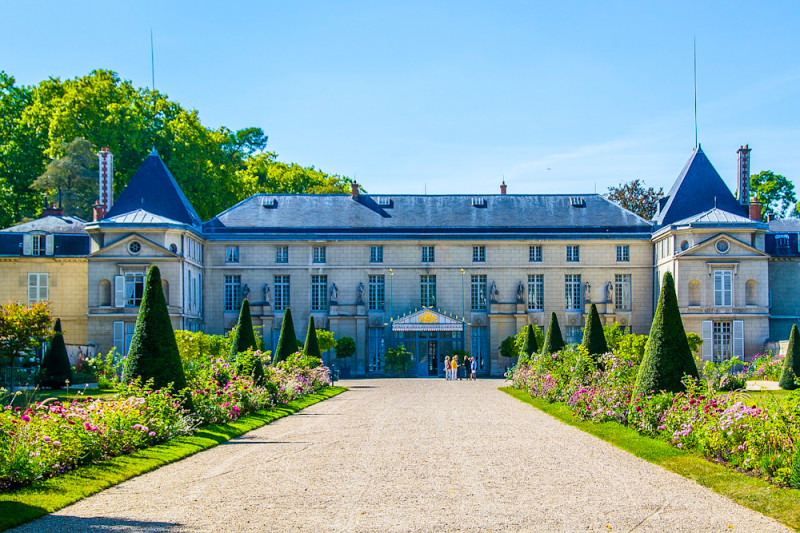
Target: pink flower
x,y
46,438
25,418
152,434
56,443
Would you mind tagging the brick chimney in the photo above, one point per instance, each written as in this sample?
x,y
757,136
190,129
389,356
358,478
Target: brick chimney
x,y
106,179
743,182
53,211
354,192
98,211
755,210
503,187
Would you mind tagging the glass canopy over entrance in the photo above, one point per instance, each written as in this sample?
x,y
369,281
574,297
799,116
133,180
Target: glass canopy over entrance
x,y
429,335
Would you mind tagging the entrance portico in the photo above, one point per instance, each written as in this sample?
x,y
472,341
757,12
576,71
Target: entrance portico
x,y
429,335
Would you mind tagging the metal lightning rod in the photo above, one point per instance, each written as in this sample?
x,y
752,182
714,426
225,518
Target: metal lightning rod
x,y
695,91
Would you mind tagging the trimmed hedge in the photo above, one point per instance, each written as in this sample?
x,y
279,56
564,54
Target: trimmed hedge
x,y
55,370
529,347
594,340
791,364
244,338
553,341
287,342
311,347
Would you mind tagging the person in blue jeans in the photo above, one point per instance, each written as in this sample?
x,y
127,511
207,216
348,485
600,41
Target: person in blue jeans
x,y
473,365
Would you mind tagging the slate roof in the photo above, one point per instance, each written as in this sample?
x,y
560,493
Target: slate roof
x,y
153,189
783,225
789,227
424,214
698,188
140,216
715,216
50,224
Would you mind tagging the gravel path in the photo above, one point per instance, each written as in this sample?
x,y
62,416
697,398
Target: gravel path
x,y
410,455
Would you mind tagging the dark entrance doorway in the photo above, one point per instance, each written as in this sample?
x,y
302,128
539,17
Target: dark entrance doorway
x,y
433,358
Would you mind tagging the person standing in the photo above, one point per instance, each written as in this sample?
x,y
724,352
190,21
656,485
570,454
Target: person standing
x,y
454,368
473,369
447,368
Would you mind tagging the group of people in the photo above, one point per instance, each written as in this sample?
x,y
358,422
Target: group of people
x,y
454,371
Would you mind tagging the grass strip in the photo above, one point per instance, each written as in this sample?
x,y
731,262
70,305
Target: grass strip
x,y
39,499
781,504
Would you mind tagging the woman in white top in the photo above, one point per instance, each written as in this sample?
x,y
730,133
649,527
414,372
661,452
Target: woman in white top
x,y
447,368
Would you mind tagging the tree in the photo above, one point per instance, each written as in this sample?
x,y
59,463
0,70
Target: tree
x,y
55,370
594,339
22,329
244,338
667,357
287,341
263,173
530,347
153,352
398,361
311,347
553,340
776,194
345,347
791,363
635,196
71,178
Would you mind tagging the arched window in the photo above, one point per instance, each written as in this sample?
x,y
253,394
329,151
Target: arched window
x,y
751,292
694,292
165,288
105,292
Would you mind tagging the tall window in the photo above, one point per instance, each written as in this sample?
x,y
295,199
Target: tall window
x,y
723,288
535,253
722,341
479,254
39,244
535,292
623,253
428,254
281,283
318,254
427,288
377,292
573,253
478,292
622,292
134,288
319,292
232,254
572,292
376,254
480,346
37,287
233,293
375,349
282,254
573,334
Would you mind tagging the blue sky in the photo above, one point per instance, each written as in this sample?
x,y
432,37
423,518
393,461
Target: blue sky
x,y
567,97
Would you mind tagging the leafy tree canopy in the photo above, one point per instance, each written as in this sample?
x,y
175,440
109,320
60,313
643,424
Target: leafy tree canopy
x,y
635,196
71,179
22,327
776,194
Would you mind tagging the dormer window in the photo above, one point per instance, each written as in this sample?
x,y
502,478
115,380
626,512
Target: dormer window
x,y
38,244
782,242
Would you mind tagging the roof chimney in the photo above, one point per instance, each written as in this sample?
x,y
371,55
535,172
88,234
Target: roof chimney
x,y
98,211
53,211
755,210
503,187
743,187
354,193
106,179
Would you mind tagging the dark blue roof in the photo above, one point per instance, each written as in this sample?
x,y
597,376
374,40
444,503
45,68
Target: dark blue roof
x,y
698,188
154,189
10,243
72,245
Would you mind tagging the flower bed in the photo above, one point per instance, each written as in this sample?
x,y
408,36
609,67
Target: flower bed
x,y
759,440
50,437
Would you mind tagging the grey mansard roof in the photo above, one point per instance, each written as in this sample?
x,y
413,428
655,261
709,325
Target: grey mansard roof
x,y
409,215
50,224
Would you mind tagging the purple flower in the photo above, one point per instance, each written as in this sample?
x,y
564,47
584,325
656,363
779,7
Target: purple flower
x,y
25,418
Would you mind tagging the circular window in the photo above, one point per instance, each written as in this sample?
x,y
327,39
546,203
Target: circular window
x,y
685,245
134,247
173,248
722,246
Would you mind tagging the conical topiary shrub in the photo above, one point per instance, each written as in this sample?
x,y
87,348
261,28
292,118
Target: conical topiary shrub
x,y
667,357
553,341
287,341
55,370
311,347
593,338
530,347
791,364
244,339
153,353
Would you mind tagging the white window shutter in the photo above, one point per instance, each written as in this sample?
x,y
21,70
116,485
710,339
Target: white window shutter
x,y
708,340
33,293
738,339
27,244
119,336
49,245
119,291
44,287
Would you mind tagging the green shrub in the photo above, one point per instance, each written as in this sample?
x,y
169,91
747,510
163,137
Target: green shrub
x,y
55,370
397,361
553,341
153,352
631,347
594,339
243,337
794,478
287,341
345,347
791,363
508,348
311,347
530,347
667,357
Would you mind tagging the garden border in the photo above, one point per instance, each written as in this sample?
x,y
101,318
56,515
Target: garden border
x,y
39,499
779,503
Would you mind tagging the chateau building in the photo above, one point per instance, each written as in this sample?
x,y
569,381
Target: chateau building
x,y
439,273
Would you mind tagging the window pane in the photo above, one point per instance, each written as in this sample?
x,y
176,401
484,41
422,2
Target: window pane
x,y
232,254
281,254
478,292
572,291
376,254
622,291
427,290
319,292
377,292
281,284
233,293
536,292
535,254
623,253
479,254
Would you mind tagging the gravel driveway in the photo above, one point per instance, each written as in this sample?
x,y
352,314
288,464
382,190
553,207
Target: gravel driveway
x,y
410,455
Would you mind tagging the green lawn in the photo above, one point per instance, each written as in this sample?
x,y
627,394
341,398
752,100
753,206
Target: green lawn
x,y
779,503
764,398
26,398
50,495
